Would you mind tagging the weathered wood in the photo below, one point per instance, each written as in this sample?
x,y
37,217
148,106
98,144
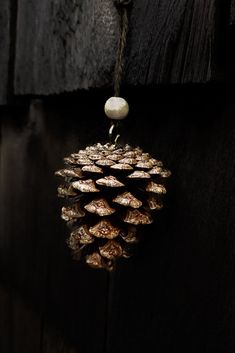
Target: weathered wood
x,y
70,45
65,46
171,41
232,12
4,48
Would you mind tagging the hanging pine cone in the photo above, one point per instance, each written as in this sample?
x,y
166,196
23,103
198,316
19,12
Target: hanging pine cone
x,y
111,190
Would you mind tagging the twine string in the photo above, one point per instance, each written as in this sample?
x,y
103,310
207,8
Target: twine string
x,y
122,7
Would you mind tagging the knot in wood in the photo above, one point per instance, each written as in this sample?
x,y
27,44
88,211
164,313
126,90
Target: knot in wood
x,y
122,3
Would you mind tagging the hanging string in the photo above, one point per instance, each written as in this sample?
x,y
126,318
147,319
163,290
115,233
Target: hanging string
x,y
122,8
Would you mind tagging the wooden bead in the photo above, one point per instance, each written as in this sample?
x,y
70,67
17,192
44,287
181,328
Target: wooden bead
x,y
116,108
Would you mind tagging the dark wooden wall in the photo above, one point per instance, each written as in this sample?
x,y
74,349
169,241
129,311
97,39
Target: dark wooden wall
x,y
50,47
177,293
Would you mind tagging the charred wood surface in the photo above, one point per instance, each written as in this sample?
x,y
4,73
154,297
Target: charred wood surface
x,y
65,46
4,49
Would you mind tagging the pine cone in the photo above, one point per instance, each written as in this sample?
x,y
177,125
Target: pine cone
x,y
111,190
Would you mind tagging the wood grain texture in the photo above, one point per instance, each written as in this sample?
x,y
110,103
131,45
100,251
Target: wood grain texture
x,y
177,293
4,48
52,302
65,46
70,45
171,41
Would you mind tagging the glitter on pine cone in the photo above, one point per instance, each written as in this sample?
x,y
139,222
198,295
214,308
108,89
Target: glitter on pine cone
x,y
111,191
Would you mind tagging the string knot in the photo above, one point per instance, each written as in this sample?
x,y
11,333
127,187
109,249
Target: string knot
x,y
122,3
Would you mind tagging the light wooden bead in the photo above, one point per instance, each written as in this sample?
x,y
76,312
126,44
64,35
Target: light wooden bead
x,y
116,108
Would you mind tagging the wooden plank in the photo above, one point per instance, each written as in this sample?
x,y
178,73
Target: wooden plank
x,y
63,303
177,294
65,46
232,12
5,321
68,46
4,48
171,42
